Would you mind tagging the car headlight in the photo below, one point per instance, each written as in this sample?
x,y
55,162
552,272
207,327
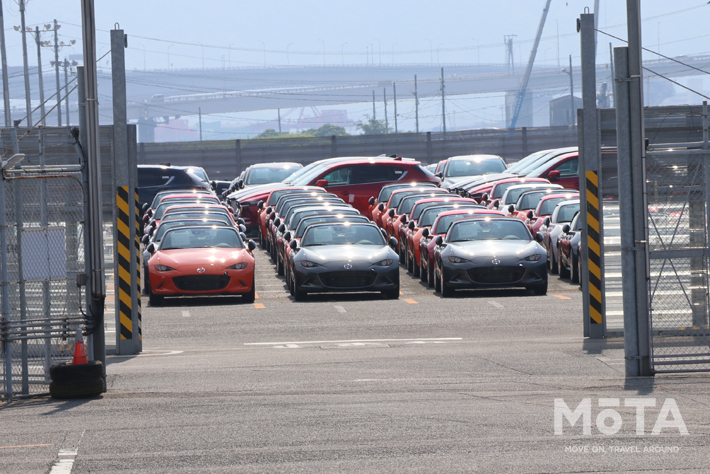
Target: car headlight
x,y
383,263
238,266
532,258
458,260
164,268
308,264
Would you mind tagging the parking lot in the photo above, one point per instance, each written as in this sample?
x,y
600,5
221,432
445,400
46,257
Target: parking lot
x,y
355,383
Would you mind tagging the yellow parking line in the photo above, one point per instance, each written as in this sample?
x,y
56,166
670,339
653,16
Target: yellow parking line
x,y
562,297
400,292
411,301
259,305
256,295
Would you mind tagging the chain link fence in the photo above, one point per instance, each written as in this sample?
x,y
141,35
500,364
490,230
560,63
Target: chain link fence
x,y
41,300
677,194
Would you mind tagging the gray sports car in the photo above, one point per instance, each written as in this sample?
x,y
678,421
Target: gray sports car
x,y
486,253
344,256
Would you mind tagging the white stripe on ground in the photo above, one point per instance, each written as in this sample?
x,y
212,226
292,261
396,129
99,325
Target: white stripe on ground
x,y
496,304
355,340
185,314
340,309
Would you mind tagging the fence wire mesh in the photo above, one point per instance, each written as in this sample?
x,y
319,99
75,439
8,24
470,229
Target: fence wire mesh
x,y
677,190
45,253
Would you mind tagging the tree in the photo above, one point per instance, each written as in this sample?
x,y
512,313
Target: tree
x,y
373,126
270,133
328,130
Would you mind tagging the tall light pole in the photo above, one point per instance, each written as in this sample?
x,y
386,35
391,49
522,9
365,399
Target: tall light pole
x,y
288,63
169,55
393,51
5,86
263,45
323,43
38,40
54,27
342,53
431,50
571,91
23,30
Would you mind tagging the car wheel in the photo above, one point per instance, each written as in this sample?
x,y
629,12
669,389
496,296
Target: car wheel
x,y
156,300
391,294
261,237
274,255
298,295
146,284
251,296
279,265
66,372
291,283
401,255
409,261
445,290
437,282
422,273
561,269
415,267
551,262
575,270
540,289
77,389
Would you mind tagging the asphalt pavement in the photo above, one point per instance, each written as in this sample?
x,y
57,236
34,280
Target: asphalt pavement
x,y
357,383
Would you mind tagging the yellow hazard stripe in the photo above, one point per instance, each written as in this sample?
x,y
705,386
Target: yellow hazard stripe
x,y
593,246
592,200
595,270
593,177
595,315
592,222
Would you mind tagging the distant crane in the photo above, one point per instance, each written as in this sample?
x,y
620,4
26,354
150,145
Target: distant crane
x,y
528,70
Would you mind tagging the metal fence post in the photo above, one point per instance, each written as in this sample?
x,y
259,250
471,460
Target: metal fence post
x,y
238,145
428,148
134,224
46,309
6,345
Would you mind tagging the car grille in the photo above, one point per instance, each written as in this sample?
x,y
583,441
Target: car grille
x,y
496,274
352,279
201,282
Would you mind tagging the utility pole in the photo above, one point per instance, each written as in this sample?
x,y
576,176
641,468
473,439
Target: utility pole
x,y
96,288
28,98
394,92
39,73
572,115
67,67
416,105
56,73
5,87
199,113
387,125
443,102
279,112
374,115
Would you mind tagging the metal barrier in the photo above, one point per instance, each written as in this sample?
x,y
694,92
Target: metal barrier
x,y
41,300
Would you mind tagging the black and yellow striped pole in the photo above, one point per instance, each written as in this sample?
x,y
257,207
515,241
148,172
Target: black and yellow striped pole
x,y
137,296
123,256
594,256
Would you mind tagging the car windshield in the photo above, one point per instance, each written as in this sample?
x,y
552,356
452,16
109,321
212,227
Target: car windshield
x,y
300,213
164,227
513,195
488,229
166,203
180,213
406,205
444,222
566,213
501,188
548,205
201,237
429,215
342,234
310,220
271,174
530,200
158,197
474,167
276,195
418,210
199,172
525,162
387,191
284,199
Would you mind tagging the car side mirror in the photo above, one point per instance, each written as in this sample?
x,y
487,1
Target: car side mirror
x,y
393,242
272,215
511,209
282,228
391,213
538,237
381,207
260,205
240,184
243,236
213,184
411,225
496,203
146,218
531,214
236,212
242,228
553,175
439,175
322,183
287,236
403,219
293,244
439,240
145,207
145,239
149,212
565,228
547,221
484,198
371,201
384,233
151,231
150,248
277,222
425,233
152,223
251,245
241,221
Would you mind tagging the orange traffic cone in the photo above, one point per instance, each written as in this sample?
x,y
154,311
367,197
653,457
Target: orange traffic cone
x,y
79,350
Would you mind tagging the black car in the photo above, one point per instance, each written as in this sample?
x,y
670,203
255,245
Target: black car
x,y
488,253
344,257
155,178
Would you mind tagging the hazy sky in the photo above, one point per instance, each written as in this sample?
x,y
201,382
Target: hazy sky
x,y
417,31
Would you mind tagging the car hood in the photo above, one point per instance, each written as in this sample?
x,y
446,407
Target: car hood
x,y
246,193
334,256
483,251
177,258
469,181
